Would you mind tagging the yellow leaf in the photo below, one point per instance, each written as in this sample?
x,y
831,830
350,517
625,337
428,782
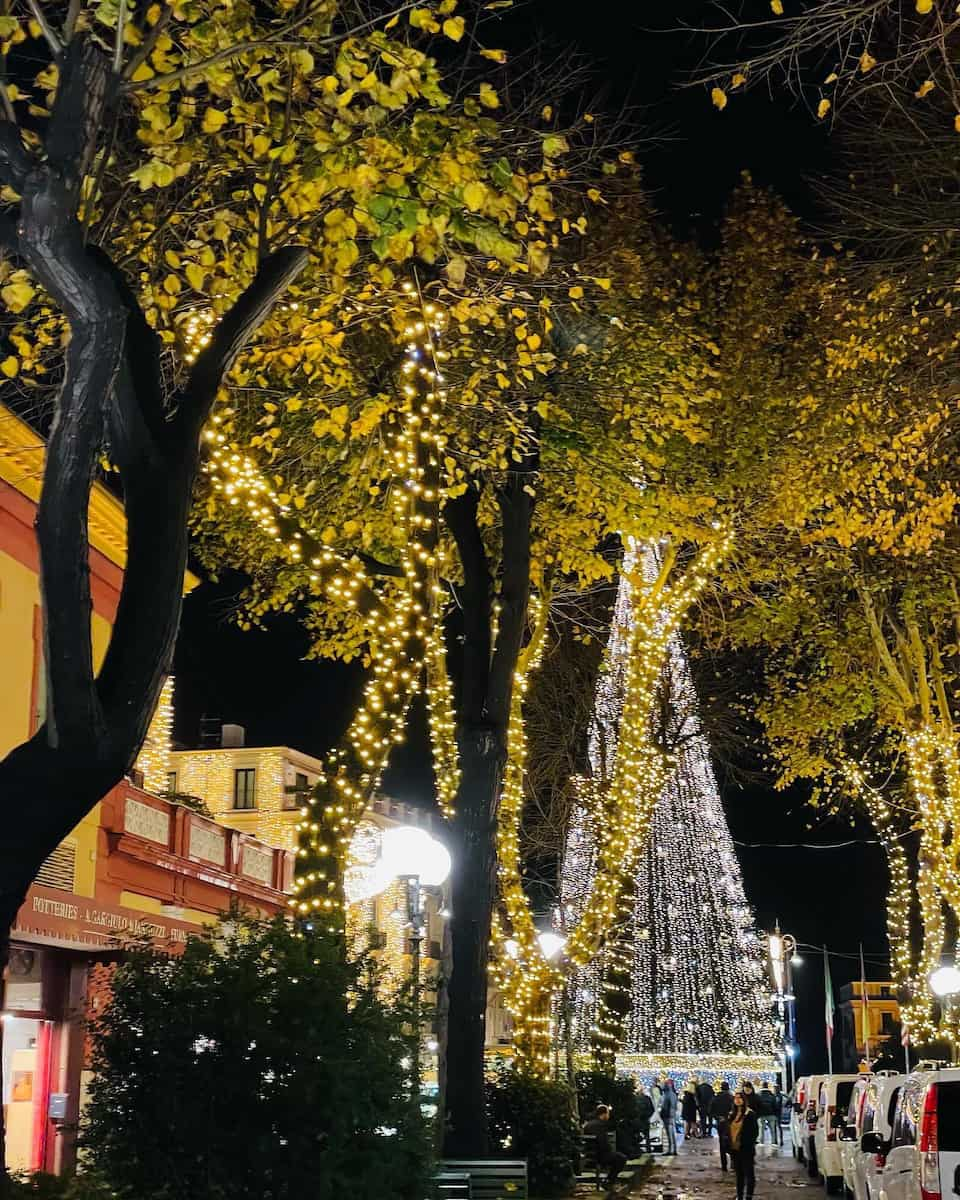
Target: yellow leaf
x,y
547,112
924,6
867,62
474,195
831,78
172,259
213,119
956,122
340,414
497,56
924,89
195,276
10,366
488,96
604,283
738,80
457,271
453,28
16,296
823,108
392,23
719,98
533,341
777,6
576,293
171,285
328,535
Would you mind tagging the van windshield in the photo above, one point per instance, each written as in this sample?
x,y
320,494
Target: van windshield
x,y
948,1116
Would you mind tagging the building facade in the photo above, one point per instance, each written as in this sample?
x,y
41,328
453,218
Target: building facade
x,y
137,865
866,1011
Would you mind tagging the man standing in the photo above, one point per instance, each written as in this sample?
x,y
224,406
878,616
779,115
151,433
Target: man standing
x,y
720,1112
766,1110
644,1113
598,1128
705,1095
668,1113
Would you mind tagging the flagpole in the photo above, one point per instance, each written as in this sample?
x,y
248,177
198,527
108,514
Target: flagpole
x,y
864,1007
828,1008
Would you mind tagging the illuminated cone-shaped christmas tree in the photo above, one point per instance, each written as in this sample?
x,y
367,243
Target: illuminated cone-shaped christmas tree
x,y
680,984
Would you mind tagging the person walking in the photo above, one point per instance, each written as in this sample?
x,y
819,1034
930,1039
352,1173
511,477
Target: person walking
x,y
749,1095
645,1111
688,1111
720,1111
743,1145
767,1112
668,1114
780,1100
705,1095
598,1127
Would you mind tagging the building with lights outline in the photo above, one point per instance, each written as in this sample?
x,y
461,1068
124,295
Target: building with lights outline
x,y
680,985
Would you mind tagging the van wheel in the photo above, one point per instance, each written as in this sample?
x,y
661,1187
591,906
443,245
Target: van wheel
x,y
833,1184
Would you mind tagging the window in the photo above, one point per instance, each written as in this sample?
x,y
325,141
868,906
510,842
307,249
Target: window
x,y
869,1110
245,788
887,1023
301,790
892,1108
948,1117
172,782
844,1092
905,1124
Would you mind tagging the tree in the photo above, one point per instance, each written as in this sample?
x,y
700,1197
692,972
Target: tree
x,y
258,1063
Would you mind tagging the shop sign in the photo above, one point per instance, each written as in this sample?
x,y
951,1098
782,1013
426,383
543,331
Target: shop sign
x,y
61,918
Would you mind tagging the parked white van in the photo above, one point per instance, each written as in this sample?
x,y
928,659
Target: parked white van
x,y
923,1155
850,1136
832,1107
804,1124
876,1126
798,1107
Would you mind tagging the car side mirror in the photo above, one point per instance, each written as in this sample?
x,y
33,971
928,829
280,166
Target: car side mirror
x,y
871,1143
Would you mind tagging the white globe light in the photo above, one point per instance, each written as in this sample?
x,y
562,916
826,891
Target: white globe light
x,y
945,981
407,850
551,943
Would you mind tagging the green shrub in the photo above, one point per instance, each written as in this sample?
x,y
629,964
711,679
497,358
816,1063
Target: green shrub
x,y
534,1119
240,1071
58,1187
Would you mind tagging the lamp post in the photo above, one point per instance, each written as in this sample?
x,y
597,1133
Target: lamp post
x,y
782,949
417,861
945,985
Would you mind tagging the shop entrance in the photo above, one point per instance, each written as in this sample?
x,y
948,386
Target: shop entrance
x,y
26,1061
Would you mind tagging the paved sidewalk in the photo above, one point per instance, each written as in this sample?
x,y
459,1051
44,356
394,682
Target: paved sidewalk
x,y
695,1175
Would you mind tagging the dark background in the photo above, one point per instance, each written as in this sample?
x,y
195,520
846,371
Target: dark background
x,y
639,59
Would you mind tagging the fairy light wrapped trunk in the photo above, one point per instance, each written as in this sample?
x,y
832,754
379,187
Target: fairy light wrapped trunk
x,y
680,980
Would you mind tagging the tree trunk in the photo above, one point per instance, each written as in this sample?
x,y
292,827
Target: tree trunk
x,y
482,759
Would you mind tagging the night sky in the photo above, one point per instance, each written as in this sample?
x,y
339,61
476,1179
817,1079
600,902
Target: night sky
x,y
639,57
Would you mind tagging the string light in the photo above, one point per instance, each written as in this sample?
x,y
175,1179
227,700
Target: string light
x,y
153,761
620,804
680,979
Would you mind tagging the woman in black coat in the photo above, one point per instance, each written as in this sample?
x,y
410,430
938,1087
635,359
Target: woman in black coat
x,y
742,1132
688,1110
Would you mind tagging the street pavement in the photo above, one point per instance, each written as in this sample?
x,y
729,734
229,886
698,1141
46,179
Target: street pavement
x,y
694,1174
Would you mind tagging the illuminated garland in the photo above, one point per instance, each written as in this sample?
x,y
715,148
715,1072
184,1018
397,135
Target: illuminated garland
x,y
622,810
683,961
153,761
405,638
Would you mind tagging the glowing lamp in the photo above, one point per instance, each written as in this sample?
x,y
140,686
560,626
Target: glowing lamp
x,y
945,981
408,850
550,943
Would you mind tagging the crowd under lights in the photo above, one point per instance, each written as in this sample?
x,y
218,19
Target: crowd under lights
x,y
680,979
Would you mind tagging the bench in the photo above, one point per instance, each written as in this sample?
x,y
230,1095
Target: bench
x,y
490,1178
595,1173
452,1185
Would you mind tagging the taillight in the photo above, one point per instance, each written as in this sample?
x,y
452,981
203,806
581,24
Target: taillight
x,y
831,1131
929,1159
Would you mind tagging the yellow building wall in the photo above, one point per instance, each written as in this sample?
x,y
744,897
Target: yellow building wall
x,y
19,599
209,774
